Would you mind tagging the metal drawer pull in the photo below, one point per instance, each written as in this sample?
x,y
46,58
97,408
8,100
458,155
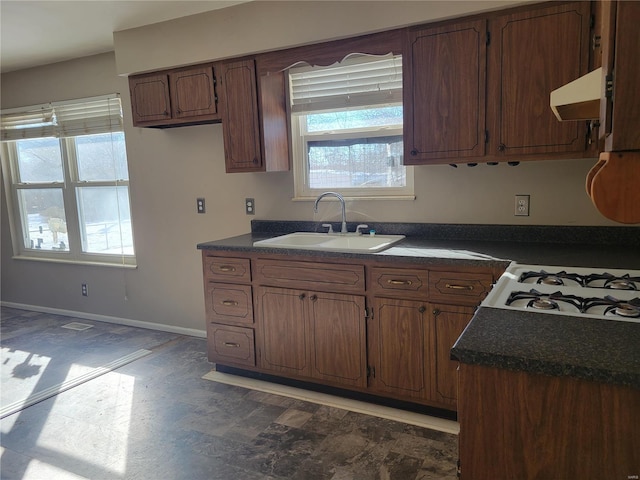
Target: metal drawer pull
x,y
459,287
399,282
226,268
231,344
229,303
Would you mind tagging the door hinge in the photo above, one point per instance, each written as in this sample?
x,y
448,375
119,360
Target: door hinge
x,y
488,37
371,372
486,136
368,313
608,86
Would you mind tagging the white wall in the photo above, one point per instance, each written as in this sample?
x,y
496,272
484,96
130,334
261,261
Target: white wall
x,y
170,168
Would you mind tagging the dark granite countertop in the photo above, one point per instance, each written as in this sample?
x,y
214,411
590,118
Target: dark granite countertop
x,y
601,350
606,351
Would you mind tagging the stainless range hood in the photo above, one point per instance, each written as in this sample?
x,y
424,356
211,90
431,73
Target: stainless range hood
x,y
580,99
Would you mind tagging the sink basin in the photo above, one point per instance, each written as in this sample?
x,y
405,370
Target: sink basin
x,y
331,243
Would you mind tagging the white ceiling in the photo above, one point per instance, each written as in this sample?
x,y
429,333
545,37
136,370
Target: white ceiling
x,y
36,33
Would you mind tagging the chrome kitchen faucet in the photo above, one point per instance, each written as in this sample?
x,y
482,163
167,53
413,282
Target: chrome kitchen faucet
x,y
343,229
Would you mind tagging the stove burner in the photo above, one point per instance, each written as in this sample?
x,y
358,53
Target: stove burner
x,y
624,282
626,310
615,307
547,278
544,301
543,304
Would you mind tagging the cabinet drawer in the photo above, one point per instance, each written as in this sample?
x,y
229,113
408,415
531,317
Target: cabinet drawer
x,y
225,269
227,303
459,288
400,282
234,345
310,275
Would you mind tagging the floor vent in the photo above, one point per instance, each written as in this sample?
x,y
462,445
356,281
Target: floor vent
x,y
77,326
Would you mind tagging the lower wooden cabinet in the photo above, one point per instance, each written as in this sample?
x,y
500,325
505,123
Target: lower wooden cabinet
x,y
400,348
313,334
448,322
367,327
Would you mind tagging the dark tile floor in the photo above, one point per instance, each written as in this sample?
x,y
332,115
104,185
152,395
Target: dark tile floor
x,y
156,418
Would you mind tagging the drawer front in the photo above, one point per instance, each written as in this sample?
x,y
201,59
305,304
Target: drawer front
x,y
231,345
225,269
459,288
400,282
311,275
227,303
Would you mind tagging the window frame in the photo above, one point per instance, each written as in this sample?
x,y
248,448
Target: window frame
x,y
69,187
330,94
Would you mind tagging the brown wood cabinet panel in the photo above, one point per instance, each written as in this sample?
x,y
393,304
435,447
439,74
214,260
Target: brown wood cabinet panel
x,y
400,282
619,112
150,100
400,348
275,121
531,53
447,322
193,92
229,304
240,117
519,425
338,338
311,275
231,345
284,331
444,92
226,269
459,288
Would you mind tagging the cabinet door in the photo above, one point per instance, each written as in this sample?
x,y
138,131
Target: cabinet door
x,y
448,322
444,92
532,53
338,338
192,93
150,103
240,122
400,348
284,330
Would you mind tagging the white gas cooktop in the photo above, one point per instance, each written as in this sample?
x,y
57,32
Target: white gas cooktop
x,y
611,294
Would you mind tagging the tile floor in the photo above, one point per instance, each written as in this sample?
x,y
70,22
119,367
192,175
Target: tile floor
x,y
156,418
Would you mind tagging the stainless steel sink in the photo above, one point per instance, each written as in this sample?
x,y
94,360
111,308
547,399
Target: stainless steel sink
x,y
331,243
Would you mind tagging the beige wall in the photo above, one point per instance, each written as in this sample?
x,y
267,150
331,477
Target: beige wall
x,y
170,168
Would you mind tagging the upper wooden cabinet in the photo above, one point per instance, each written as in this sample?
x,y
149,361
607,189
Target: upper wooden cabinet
x,y
619,117
499,70
240,122
444,92
174,97
532,53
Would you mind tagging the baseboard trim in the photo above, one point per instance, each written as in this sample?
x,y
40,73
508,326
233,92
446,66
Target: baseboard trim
x,y
191,332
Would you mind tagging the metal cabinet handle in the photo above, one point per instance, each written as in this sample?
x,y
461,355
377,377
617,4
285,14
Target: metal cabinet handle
x,y
313,298
227,268
229,303
422,309
302,296
459,287
399,282
231,344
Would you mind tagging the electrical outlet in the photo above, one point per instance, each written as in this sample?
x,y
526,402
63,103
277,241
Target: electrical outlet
x,y
85,290
522,205
200,205
249,206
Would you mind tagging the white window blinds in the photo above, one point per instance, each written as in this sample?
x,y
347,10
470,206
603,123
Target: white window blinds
x,y
359,81
63,119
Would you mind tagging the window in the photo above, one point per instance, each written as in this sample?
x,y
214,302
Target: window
x,y
66,173
347,128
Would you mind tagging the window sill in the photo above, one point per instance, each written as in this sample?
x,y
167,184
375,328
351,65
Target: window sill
x,y
351,199
132,266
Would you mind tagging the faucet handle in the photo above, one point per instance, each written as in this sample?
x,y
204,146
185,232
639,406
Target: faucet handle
x,y
358,232
328,225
